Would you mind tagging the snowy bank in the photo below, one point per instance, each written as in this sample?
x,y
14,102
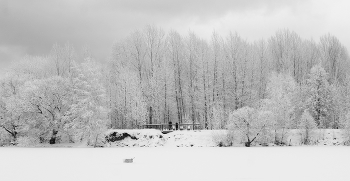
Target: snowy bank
x,y
210,138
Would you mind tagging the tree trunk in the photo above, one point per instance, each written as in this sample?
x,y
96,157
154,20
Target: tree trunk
x,y
249,142
306,139
150,115
53,137
96,141
276,142
282,136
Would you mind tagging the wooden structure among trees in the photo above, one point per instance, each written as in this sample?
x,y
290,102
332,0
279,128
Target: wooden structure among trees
x,y
181,126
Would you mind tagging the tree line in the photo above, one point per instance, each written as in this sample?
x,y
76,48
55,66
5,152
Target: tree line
x,y
153,76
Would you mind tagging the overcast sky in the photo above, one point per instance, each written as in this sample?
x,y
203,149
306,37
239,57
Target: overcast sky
x,y
32,27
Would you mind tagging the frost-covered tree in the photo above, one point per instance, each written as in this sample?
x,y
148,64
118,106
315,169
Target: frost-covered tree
x,y
12,105
307,125
280,93
133,101
158,77
263,66
285,49
251,123
88,114
335,58
15,117
218,118
176,55
47,101
11,116
346,129
186,76
319,97
31,67
61,59
194,79
339,106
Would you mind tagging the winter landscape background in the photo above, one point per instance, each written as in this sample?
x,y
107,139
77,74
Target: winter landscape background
x,y
76,76
85,85
257,91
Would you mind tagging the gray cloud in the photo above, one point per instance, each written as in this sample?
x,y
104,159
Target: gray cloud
x,y
200,8
32,27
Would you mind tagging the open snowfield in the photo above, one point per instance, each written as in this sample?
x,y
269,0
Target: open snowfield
x,y
170,156
235,163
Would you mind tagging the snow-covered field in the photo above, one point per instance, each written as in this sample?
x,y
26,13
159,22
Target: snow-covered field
x,y
170,156
235,163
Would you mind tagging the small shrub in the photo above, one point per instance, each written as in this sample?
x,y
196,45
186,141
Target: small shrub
x,y
346,143
307,126
266,137
223,138
230,137
252,124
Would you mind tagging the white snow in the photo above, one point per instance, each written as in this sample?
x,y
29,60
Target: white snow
x,y
238,163
135,131
171,160
154,138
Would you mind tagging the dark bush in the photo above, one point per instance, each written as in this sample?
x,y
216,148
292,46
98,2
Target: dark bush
x,y
117,137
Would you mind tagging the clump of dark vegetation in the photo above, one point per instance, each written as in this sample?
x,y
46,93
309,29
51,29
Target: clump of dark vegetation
x,y
220,144
118,137
280,143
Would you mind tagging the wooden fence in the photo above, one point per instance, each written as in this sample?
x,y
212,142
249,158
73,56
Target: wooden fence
x,y
181,126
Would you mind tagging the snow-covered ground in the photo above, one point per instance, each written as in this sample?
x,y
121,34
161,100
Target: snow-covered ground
x,y
210,138
234,163
155,138
175,159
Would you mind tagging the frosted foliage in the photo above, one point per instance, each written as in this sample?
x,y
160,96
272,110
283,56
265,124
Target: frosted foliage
x,y
280,91
346,129
280,85
226,138
307,126
46,101
131,100
11,109
319,101
218,118
307,121
251,123
12,104
257,90
88,112
33,67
